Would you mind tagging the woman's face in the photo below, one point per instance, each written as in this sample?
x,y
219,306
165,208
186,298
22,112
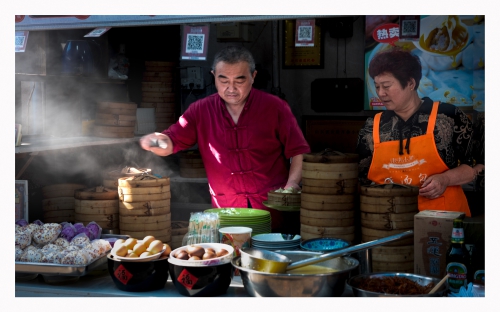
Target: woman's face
x,y
391,93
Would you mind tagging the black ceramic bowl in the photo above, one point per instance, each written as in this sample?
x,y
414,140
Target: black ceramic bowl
x,y
138,276
201,281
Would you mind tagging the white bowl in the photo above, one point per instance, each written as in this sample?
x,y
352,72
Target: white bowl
x,y
209,262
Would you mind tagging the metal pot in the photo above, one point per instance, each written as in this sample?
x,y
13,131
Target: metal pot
x,y
331,284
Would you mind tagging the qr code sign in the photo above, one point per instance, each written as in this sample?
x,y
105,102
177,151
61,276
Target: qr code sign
x,y
20,41
195,43
409,27
304,33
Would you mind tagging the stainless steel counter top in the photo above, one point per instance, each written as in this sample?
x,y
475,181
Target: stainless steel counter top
x,y
100,284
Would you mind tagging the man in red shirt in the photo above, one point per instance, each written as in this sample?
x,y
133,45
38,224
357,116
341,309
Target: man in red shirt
x,y
246,137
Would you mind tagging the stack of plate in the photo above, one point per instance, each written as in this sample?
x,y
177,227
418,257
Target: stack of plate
x,y
275,241
256,219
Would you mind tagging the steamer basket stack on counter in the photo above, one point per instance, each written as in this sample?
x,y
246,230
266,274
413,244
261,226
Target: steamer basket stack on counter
x,y
58,203
115,120
179,230
98,204
191,165
158,92
110,178
388,209
328,198
144,207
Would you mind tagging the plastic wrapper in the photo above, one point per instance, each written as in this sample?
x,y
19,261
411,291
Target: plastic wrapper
x,y
51,248
49,257
19,252
80,240
78,226
21,222
32,255
23,239
77,257
38,222
32,228
95,230
18,228
59,256
46,234
68,232
61,242
84,231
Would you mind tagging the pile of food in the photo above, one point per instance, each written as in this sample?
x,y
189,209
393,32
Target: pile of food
x,y
394,285
59,243
134,248
193,252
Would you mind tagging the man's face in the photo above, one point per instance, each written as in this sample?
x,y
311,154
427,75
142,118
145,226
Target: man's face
x,y
233,82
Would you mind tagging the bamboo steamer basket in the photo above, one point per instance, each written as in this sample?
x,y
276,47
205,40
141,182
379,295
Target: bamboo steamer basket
x,y
178,231
283,199
144,197
332,199
326,222
146,190
326,206
389,190
58,203
388,208
339,190
96,193
387,221
110,178
368,234
347,237
145,219
393,254
60,190
330,165
116,105
105,221
144,181
324,231
346,214
144,211
189,165
83,206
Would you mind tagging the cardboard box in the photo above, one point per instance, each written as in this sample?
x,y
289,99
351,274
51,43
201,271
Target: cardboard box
x,y
432,235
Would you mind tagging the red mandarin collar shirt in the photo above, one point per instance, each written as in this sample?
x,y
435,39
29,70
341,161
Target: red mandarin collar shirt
x,y
243,161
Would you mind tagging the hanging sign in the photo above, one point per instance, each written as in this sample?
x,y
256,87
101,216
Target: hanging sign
x,y
194,43
97,32
386,33
21,40
304,33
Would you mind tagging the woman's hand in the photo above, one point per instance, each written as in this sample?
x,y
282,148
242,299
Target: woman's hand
x,y
158,143
434,186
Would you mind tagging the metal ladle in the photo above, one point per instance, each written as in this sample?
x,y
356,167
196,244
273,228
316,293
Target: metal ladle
x,y
272,262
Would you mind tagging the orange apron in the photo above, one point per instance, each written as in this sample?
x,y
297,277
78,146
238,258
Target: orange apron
x,y
412,169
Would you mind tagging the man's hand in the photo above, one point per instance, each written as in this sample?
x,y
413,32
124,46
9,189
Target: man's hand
x,y
158,143
434,186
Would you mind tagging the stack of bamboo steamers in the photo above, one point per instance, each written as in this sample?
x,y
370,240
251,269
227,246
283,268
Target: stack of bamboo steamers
x,y
58,203
144,206
115,120
389,209
158,92
98,204
328,198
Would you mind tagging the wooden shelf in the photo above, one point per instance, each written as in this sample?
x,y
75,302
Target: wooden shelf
x,y
32,144
67,78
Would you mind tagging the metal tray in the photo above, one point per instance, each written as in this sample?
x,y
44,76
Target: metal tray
x,y
60,269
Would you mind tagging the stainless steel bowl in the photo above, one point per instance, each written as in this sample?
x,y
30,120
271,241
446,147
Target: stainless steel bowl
x,y
355,281
262,284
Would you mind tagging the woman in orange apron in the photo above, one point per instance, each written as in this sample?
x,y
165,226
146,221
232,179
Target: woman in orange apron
x,y
416,141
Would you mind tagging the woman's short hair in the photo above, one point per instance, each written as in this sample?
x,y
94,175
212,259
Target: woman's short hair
x,y
401,64
233,55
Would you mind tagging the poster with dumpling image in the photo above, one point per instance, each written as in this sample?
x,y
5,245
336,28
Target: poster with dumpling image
x,y
451,51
